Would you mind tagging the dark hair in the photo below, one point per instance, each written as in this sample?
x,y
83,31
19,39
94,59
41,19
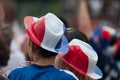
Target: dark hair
x,y
112,40
75,34
42,52
7,33
4,53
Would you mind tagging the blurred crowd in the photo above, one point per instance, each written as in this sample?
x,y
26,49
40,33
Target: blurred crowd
x,y
99,20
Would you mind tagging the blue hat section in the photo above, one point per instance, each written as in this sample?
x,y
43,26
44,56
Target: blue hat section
x,y
62,46
64,27
98,71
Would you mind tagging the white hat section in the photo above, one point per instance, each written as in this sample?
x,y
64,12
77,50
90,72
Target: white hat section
x,y
35,19
53,32
93,71
109,29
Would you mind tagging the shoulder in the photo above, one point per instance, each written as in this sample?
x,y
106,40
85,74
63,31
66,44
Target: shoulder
x,y
14,73
65,74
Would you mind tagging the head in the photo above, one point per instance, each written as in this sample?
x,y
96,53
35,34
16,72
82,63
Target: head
x,y
4,53
46,36
36,52
72,34
81,60
5,39
63,65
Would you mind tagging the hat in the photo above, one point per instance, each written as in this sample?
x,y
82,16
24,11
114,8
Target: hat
x,y
107,32
83,59
47,32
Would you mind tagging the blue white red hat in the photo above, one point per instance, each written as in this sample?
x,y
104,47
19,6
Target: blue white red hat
x,y
107,32
83,59
47,32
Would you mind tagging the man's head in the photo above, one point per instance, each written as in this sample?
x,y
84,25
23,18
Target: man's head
x,y
46,35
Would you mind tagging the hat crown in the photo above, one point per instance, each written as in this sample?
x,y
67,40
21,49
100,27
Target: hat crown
x,y
54,24
86,49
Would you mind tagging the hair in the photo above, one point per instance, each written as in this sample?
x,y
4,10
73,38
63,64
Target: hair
x,y
41,52
4,53
5,40
24,49
7,33
75,34
72,34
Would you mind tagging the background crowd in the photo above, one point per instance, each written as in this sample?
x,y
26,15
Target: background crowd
x,y
99,20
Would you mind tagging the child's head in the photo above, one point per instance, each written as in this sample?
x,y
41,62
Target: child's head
x,y
63,65
72,34
46,36
81,60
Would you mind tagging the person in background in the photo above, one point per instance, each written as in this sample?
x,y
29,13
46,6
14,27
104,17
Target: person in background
x,y
4,56
4,53
46,39
15,57
74,52
86,25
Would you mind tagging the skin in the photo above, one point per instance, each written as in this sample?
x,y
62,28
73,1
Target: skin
x,y
84,19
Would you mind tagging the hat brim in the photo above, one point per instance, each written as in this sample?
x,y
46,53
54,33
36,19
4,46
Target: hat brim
x,y
29,21
97,74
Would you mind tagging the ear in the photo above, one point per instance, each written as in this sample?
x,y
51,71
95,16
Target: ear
x,y
32,46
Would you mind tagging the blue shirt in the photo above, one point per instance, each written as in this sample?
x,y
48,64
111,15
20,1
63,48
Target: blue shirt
x,y
35,72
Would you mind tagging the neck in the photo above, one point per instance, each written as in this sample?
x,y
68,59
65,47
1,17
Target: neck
x,y
45,61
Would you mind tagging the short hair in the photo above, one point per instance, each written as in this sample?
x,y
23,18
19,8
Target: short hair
x,y
42,52
4,53
75,34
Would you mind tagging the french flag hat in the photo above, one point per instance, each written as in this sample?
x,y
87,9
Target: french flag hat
x,y
83,59
107,32
47,32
